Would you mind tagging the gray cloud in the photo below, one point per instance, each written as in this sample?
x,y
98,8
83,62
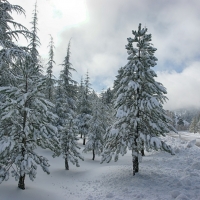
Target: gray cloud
x,y
174,27
98,43
182,88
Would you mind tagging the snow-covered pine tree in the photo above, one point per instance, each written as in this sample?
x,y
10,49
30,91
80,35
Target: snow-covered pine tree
x,y
69,145
85,110
34,41
68,84
108,96
26,123
66,110
60,108
180,123
95,132
66,93
50,79
79,96
93,98
10,31
117,84
106,111
141,118
33,61
172,115
195,124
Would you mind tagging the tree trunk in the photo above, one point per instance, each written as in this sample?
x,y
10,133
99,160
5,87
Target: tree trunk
x,y
21,183
66,164
81,135
135,165
84,141
142,152
93,154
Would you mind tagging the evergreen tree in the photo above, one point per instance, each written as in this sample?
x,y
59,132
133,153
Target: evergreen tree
x,y
50,79
108,96
93,98
85,110
106,111
68,84
96,132
195,124
26,120
140,116
180,123
117,84
34,41
60,109
66,110
172,115
10,31
26,123
69,144
80,92
66,92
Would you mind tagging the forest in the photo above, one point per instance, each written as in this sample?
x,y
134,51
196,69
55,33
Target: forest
x,y
40,111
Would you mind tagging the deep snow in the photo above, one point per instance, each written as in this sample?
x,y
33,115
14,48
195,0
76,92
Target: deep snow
x,y
161,177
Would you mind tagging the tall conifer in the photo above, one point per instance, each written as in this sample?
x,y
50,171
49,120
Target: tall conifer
x,y
26,121
140,117
50,79
66,110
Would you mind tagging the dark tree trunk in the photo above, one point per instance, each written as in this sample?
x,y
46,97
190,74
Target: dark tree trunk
x,y
66,164
93,154
135,165
81,135
142,152
21,183
84,141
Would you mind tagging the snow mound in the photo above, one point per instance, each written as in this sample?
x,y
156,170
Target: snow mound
x,y
109,195
175,193
182,197
191,144
196,166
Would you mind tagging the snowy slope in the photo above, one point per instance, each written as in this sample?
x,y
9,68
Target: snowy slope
x,y
161,177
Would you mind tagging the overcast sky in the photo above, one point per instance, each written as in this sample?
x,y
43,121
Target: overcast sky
x,y
99,30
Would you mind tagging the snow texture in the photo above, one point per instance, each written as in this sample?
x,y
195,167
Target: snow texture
x,y
161,177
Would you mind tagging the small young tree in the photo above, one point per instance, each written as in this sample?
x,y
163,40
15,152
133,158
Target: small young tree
x,y
85,110
95,132
140,117
108,96
79,100
69,145
79,95
195,124
180,123
106,111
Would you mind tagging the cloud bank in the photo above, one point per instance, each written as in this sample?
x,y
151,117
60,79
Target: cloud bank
x,y
183,88
98,41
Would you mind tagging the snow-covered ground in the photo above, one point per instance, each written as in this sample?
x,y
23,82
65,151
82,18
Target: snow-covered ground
x,y
161,177
188,136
